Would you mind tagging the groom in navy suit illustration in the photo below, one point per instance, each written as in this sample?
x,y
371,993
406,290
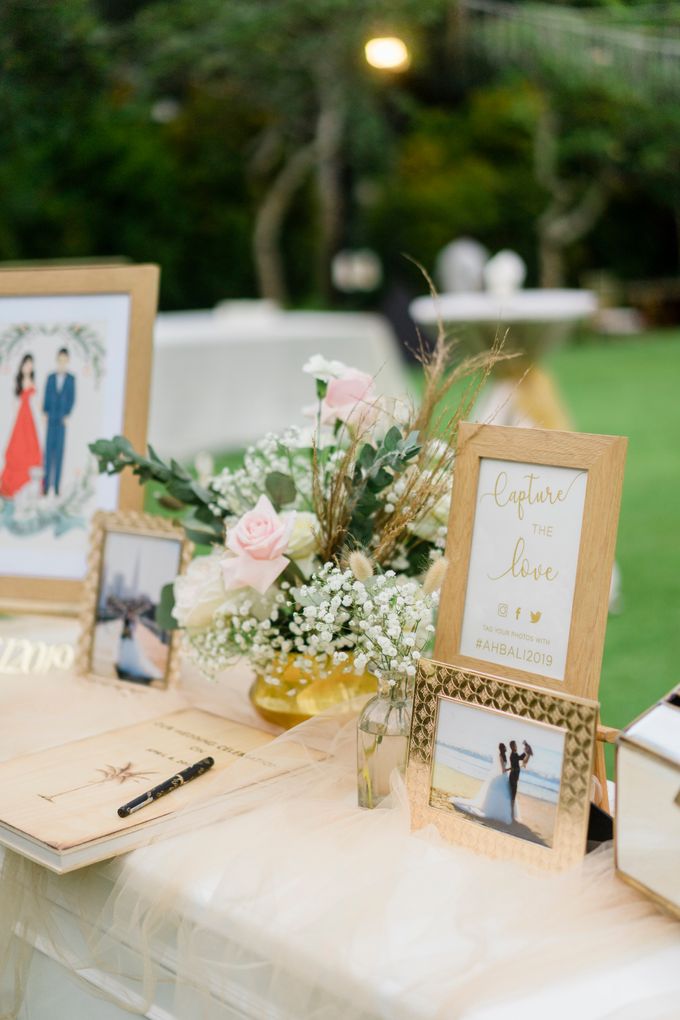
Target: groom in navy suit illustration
x,y
60,396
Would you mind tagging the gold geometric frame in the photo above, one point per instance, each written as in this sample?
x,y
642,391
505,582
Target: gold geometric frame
x,y
603,458
140,282
577,717
128,523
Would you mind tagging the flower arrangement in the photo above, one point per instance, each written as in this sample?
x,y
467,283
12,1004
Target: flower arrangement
x,y
327,543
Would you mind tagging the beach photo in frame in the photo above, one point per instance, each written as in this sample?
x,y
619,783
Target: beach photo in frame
x,y
500,767
132,558
75,364
530,545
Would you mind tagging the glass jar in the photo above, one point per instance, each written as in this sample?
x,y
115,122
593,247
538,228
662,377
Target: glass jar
x,y
383,733
299,694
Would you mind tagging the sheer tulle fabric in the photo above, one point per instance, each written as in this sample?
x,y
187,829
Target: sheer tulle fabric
x,y
296,898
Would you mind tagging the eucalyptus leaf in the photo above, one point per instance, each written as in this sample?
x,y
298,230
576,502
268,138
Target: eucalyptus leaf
x,y
179,471
153,456
202,494
280,488
202,537
367,455
114,455
181,490
392,439
196,519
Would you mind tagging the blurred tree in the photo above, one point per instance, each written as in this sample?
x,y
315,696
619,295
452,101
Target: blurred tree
x,y
301,66
48,64
462,172
602,85
86,170
191,132
80,174
655,165
579,167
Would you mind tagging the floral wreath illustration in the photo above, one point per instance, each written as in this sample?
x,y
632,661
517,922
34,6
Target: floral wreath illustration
x,y
83,339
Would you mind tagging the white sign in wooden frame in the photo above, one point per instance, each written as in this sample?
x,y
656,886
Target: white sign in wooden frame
x,y
531,542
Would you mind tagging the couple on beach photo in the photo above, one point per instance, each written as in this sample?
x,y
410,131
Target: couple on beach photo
x,y
484,778
497,799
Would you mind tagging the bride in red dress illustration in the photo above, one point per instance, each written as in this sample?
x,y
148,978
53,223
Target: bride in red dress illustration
x,y
23,449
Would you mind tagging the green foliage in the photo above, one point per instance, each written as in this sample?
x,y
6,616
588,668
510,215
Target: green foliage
x,y
164,617
628,386
463,172
85,170
201,522
280,489
374,470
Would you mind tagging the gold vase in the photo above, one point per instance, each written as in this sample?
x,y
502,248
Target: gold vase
x,y
297,695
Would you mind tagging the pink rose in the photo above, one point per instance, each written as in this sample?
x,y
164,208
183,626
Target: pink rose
x,y
258,541
351,398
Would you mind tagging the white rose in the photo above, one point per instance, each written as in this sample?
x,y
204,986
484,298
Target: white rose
x,y
200,592
304,538
429,525
322,368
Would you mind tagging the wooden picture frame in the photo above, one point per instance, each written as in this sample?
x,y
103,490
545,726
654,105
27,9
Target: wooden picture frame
x,y
118,603
459,778
103,316
592,469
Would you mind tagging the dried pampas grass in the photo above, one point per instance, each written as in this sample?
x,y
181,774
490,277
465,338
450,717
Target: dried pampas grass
x,y
360,565
428,477
434,578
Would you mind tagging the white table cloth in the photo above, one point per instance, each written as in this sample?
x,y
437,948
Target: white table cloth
x,y
535,320
300,906
224,378
543,306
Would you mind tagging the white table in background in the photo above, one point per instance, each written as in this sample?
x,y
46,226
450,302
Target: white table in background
x,y
536,319
224,378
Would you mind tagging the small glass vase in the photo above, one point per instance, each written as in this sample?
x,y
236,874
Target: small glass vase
x,y
383,733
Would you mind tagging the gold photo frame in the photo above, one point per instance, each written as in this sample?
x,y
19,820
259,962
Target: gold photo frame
x,y
102,318
458,780
132,557
518,626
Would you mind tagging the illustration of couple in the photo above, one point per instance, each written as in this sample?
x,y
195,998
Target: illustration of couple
x,y
496,801
23,454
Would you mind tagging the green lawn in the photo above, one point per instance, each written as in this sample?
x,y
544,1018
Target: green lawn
x,y
631,387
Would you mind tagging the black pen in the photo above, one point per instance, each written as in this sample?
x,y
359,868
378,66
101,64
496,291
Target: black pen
x,y
185,776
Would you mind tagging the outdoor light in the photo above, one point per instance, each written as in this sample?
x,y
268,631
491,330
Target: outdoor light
x,y
355,270
388,53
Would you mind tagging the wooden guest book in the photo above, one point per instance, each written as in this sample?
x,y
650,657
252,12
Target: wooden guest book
x,y
59,807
